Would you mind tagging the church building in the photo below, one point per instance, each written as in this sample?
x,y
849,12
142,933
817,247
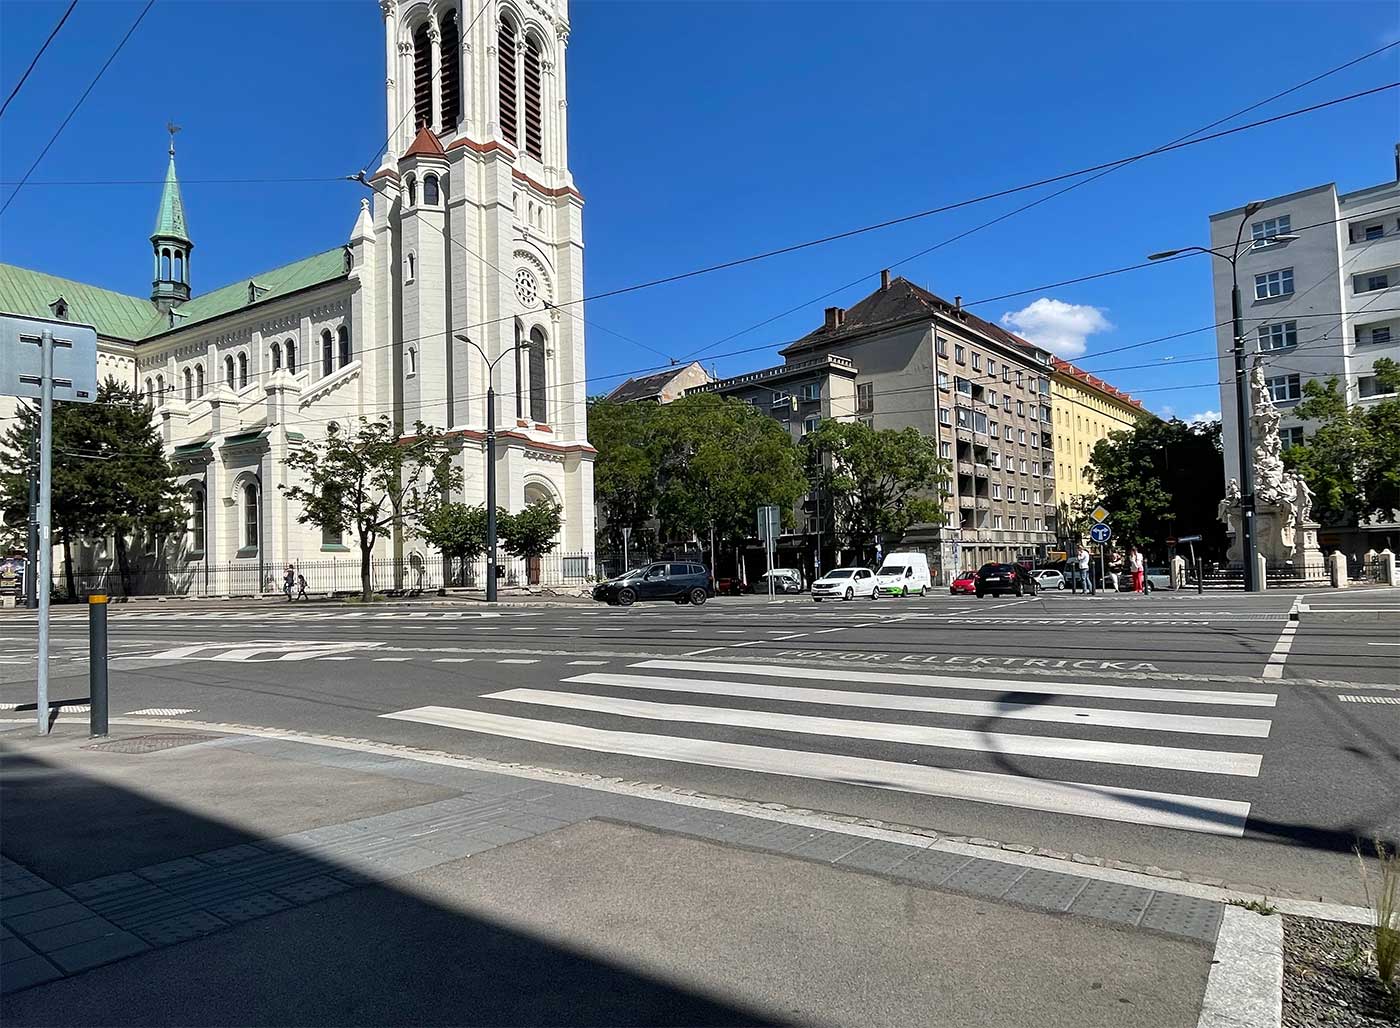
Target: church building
x,y
466,252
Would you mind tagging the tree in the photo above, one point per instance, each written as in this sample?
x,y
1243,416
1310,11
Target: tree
x,y
878,480
1352,461
1160,479
110,474
626,471
370,481
532,532
458,530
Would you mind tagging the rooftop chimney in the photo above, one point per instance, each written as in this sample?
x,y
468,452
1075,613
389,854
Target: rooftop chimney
x,y
1397,162
957,303
835,317
885,275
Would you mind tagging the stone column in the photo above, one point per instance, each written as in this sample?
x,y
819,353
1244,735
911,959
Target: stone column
x,y
1337,569
435,45
391,105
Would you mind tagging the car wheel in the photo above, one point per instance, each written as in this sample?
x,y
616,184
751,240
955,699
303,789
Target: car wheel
x,y
1019,591
979,594
816,599
923,590
850,593
1147,587
626,597
698,597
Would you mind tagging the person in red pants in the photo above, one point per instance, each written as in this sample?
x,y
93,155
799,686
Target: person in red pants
x,y
1136,566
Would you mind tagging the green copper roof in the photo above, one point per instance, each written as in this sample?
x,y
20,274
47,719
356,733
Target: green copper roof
x,y
170,218
117,316
114,315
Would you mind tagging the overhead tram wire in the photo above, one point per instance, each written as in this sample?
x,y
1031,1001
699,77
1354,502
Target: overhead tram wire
x,y
91,85
1050,196
23,78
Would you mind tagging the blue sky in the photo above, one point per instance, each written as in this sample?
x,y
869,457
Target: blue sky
x,y
705,131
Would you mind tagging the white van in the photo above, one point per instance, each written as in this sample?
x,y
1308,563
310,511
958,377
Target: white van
x,y
902,574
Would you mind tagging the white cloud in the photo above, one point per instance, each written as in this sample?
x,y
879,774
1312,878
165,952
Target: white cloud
x,y
1059,327
1167,411
1205,417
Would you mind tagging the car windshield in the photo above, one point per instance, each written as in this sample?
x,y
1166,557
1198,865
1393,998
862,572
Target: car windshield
x,y
629,575
994,569
841,573
892,569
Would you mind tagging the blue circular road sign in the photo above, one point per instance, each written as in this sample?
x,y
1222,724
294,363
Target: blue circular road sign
x,y
1100,533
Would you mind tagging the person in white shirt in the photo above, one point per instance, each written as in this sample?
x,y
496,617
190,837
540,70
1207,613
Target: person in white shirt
x,y
1135,565
1082,560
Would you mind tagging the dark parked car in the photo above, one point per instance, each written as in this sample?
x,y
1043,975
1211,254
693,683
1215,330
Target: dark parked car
x,y
681,582
1000,579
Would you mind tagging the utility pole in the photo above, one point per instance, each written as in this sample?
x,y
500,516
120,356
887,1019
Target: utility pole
x,y
31,564
44,512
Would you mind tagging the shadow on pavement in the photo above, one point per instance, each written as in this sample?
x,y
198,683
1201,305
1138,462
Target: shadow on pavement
x,y
357,954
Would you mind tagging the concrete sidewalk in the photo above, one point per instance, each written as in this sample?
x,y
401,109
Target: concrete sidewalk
x,y
170,877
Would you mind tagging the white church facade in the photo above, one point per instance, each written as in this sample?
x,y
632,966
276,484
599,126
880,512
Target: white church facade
x,y
468,245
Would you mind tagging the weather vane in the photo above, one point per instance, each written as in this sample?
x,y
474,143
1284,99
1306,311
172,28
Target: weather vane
x,y
172,128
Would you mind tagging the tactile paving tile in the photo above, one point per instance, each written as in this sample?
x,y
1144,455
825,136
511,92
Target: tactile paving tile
x,y
1109,901
312,889
930,867
1048,890
827,847
169,869
106,885
1189,916
249,907
231,855
988,878
179,928
879,857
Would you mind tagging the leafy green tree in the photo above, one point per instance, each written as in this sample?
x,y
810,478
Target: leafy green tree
x,y
626,471
1352,461
879,480
369,481
1160,479
110,474
532,532
458,530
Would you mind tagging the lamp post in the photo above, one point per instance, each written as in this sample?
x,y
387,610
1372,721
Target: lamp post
x,y
1246,457
490,461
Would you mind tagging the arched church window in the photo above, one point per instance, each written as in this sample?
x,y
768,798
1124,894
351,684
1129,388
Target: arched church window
x,y
519,377
450,47
242,371
199,380
412,184
250,515
430,190
228,370
506,80
327,353
422,77
343,337
539,410
179,266
412,361
412,267
160,390
290,348
189,385
534,116
150,392
196,522
165,265
276,357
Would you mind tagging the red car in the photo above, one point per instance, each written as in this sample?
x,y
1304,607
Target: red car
x,y
966,582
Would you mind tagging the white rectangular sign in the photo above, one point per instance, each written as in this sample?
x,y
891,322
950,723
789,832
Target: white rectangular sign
x,y
74,358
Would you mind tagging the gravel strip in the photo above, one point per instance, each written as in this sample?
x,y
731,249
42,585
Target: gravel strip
x,y
1329,977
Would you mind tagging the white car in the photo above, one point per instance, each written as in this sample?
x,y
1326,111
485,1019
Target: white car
x,y
845,584
1048,578
903,574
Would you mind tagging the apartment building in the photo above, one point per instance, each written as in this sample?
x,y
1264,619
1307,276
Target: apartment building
x,y
1086,409
1317,306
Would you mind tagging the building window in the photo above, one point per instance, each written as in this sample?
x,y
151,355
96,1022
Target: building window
x,y
199,380
996,490
994,460
242,371
1291,436
944,416
412,362
998,521
945,450
251,519
1370,385
963,385
991,368
1006,374
1380,334
1273,283
412,267
506,81
331,535
1282,335
1039,525
1020,380
228,371
1284,388
1262,230
1024,466
964,418
290,348
412,184
534,102
150,392
1373,283
994,428
160,390
1010,434
276,357
1035,496
811,391
343,340
1365,233
422,77
976,361
865,397
450,48
809,425
1020,408
539,401
430,190
959,354
189,385
1021,436
327,353
943,380
1025,524
196,520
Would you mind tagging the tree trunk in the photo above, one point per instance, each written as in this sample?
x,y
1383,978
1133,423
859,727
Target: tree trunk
x,y
366,590
123,562
67,571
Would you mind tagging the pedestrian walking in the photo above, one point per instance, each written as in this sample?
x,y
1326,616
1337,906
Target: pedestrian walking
x,y
1136,567
1082,560
288,581
301,587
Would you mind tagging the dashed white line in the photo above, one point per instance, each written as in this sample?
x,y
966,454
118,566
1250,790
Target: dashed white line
x,y
453,660
517,661
1274,667
391,660
587,663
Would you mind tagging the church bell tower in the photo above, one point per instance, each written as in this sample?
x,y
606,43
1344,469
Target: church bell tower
x,y
170,242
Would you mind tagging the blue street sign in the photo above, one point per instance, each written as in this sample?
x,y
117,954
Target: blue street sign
x,y
1100,533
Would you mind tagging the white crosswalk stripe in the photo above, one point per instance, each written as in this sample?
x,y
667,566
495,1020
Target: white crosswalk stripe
x,y
798,734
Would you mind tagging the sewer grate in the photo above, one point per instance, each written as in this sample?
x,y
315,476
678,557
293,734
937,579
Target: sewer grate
x,y
148,743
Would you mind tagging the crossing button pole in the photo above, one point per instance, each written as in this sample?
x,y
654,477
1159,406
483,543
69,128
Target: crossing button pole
x,y
97,664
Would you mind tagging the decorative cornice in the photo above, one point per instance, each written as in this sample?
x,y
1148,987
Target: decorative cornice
x,y
545,190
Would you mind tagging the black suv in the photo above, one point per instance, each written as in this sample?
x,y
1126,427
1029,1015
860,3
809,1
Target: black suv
x,y
682,582
999,579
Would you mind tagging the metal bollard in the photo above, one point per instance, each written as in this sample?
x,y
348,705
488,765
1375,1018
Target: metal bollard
x,y
97,664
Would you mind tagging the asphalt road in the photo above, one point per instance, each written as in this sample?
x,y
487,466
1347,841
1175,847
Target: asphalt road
x,y
1202,733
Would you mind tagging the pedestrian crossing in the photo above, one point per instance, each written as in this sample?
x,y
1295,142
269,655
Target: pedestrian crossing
x,y
817,724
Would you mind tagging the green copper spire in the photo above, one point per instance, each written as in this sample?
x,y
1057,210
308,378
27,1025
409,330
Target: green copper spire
x,y
171,241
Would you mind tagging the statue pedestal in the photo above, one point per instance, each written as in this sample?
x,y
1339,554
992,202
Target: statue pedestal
x,y
1279,540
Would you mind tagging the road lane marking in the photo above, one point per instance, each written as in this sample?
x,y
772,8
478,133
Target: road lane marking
x,y
1016,710
587,663
1274,667
1113,692
1095,751
391,660
516,661
1383,644
454,660
1135,806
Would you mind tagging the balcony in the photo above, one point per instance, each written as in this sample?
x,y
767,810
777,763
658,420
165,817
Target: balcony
x,y
982,471
966,502
965,468
983,503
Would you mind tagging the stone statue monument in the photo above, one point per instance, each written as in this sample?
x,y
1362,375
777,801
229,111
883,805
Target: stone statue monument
x,y
1284,531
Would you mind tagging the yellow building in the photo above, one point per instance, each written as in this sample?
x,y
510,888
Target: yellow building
x,y
1086,409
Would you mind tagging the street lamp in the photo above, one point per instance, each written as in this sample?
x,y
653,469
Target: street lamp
x,y
1241,383
490,461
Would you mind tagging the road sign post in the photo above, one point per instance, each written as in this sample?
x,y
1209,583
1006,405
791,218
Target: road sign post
x,y
37,357
769,524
